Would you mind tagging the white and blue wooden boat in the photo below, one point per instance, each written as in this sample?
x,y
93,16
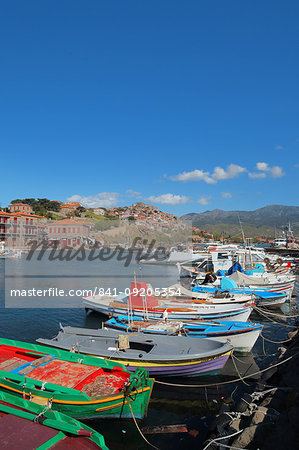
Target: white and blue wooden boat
x,y
241,335
262,298
141,305
266,282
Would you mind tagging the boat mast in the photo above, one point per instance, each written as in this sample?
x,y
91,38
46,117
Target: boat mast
x,y
244,241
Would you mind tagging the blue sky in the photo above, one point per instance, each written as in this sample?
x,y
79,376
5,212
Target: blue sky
x,y
187,105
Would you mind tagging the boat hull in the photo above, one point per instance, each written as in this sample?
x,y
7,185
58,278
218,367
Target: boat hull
x,y
205,366
240,315
23,430
159,355
234,333
70,400
264,298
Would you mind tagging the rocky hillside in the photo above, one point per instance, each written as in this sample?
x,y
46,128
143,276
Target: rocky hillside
x,y
261,222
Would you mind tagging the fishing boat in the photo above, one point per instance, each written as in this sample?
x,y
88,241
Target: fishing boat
x,y
6,253
184,295
266,282
28,425
241,335
78,385
139,302
171,257
159,355
262,298
220,261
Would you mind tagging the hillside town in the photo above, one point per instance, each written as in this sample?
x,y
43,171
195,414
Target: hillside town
x,y
70,224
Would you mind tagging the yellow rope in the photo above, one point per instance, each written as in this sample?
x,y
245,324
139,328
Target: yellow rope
x,y
237,370
273,321
275,342
278,315
141,434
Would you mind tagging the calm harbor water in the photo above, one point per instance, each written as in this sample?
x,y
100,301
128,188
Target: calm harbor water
x,y
40,317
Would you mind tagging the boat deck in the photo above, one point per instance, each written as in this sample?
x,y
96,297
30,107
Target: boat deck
x,y
45,368
18,433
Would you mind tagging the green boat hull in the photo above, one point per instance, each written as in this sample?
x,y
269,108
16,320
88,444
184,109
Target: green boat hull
x,y
133,399
63,424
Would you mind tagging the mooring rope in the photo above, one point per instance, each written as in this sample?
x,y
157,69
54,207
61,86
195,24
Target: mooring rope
x,y
274,321
231,381
228,446
275,342
288,316
141,434
41,414
212,441
237,370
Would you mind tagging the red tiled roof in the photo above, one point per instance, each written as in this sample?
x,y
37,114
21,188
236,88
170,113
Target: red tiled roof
x,y
72,204
27,215
21,214
20,204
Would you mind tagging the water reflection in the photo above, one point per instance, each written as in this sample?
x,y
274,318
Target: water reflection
x,y
169,405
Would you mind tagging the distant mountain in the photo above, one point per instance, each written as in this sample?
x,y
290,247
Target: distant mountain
x,y
261,222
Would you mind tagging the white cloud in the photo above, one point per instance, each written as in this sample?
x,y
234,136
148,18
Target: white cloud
x,y
104,199
277,172
194,175
262,166
274,172
279,147
226,195
232,171
169,199
257,175
131,193
204,200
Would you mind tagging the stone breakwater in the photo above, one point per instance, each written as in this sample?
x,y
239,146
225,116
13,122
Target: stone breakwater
x,y
266,417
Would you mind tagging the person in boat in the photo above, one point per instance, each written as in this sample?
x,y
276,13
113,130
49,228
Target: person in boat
x,y
165,315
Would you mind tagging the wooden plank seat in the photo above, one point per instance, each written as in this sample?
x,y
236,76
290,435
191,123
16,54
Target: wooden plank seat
x,y
38,362
11,364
